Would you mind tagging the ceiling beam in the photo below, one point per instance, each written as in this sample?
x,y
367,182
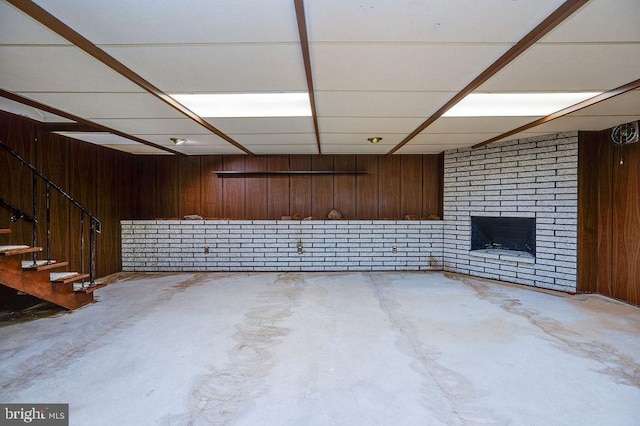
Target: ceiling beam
x,y
304,44
80,121
569,110
549,23
54,24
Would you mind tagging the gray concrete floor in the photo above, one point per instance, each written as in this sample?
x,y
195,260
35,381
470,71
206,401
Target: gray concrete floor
x,y
329,348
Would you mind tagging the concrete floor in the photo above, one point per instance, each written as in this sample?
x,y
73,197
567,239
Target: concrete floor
x,y
329,348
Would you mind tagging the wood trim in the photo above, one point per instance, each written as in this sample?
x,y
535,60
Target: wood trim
x,y
304,45
81,121
542,29
54,24
68,127
240,173
569,110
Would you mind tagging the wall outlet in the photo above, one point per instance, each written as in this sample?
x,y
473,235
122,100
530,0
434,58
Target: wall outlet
x,y
394,249
206,249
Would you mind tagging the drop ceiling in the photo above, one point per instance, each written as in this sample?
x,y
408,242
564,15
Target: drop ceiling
x,y
375,68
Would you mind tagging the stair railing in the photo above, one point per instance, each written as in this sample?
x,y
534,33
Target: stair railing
x,y
95,226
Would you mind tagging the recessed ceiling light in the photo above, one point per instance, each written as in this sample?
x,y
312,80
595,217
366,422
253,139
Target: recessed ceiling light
x,y
375,139
515,104
247,104
178,141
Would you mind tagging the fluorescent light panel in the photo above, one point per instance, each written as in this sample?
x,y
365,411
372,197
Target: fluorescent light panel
x,y
515,104
247,104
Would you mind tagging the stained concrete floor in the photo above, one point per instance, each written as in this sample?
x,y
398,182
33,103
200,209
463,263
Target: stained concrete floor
x,y
329,349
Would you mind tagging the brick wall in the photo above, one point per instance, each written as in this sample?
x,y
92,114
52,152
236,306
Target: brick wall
x,y
534,177
267,245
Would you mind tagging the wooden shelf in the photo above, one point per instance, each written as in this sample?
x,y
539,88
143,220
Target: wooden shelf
x,y
230,173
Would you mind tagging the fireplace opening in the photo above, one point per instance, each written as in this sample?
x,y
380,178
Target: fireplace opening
x,y
503,233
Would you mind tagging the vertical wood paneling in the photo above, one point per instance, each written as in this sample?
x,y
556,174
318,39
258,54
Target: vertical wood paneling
x,y
411,182
15,187
588,259
108,210
322,187
211,187
128,183
233,189
367,187
256,187
146,188
190,186
389,185
82,187
52,162
167,178
608,217
278,188
345,186
432,184
626,224
300,186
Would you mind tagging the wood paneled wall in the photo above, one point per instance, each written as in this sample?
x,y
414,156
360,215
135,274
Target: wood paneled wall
x,y
98,178
608,217
393,187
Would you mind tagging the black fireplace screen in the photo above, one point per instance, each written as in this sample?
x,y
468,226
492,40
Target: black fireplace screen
x,y
503,233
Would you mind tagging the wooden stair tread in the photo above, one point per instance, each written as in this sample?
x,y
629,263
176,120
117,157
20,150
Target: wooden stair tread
x,y
67,277
17,249
5,231
42,265
88,289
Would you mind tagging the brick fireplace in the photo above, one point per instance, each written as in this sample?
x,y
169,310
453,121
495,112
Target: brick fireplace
x,y
533,178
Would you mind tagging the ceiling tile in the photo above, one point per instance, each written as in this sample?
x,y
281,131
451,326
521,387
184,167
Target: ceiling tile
x,y
425,21
569,67
600,21
380,104
57,69
217,69
192,21
108,105
415,67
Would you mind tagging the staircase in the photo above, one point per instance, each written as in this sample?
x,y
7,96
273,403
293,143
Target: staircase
x,y
66,289
47,279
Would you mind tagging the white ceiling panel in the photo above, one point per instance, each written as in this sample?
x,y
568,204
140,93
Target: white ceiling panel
x,y
18,28
108,105
628,103
448,139
600,21
159,126
283,149
260,125
569,67
27,111
425,21
279,139
567,124
219,69
185,21
458,125
59,69
403,67
369,125
380,104
431,148
212,143
371,149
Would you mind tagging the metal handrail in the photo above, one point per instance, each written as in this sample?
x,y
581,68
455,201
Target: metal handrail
x,y
95,226
53,185
18,214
